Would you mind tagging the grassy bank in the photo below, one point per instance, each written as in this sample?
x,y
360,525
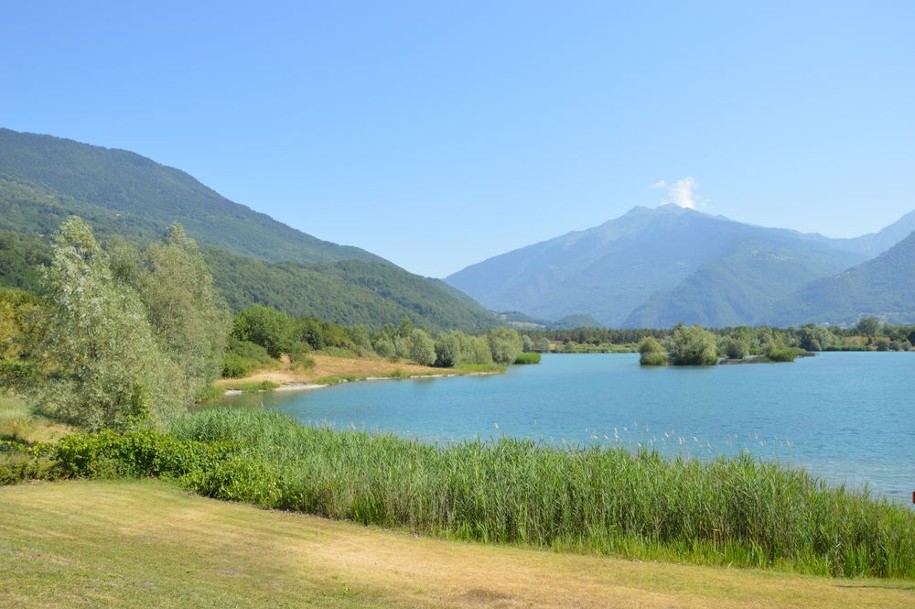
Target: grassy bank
x,y
725,512
19,423
145,544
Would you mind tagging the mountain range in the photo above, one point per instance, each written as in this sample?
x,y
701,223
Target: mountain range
x,y
647,268
254,258
658,267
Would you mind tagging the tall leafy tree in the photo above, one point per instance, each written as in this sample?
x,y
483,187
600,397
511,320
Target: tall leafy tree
x,y
104,366
505,345
189,317
692,346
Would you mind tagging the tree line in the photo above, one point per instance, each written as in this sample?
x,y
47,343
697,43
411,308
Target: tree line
x,y
121,337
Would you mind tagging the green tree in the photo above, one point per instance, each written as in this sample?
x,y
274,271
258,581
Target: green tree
x,y
692,346
816,338
451,349
505,345
733,347
187,313
22,316
477,351
421,347
652,353
105,367
268,327
869,326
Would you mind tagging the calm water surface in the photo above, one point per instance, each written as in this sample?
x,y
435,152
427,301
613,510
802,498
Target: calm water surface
x,y
846,417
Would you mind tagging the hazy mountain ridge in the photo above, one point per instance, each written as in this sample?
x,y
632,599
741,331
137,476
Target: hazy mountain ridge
x,y
656,267
255,259
883,287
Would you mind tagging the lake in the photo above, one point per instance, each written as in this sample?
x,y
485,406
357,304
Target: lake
x,y
845,417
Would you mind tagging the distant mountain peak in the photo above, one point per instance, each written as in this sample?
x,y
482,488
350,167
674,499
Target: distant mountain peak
x,y
651,265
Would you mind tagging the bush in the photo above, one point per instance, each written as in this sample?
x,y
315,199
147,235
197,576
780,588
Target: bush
x,y
527,358
653,359
782,354
693,346
653,353
243,357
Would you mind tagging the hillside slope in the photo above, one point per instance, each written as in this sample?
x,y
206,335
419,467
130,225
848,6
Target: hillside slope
x,y
738,288
254,259
883,287
44,179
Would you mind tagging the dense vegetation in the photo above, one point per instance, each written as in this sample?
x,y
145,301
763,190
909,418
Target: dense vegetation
x,y
726,511
261,332
869,334
44,180
129,338
253,258
352,292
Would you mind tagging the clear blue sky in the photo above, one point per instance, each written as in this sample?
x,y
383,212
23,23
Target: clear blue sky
x,y
438,134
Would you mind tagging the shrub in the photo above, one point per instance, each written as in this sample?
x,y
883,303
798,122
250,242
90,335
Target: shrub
x,y
653,353
243,357
782,354
527,358
653,359
692,346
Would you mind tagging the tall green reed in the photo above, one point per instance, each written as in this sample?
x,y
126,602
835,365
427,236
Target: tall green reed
x,y
726,511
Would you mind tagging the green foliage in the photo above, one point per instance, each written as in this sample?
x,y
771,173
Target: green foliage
x,y
365,293
135,454
189,317
652,353
243,358
727,511
733,347
21,257
869,326
692,346
253,258
106,368
527,358
265,326
22,327
816,338
421,348
505,345
450,349
653,359
782,354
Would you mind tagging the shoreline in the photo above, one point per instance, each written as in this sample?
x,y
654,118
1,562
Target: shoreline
x,y
331,370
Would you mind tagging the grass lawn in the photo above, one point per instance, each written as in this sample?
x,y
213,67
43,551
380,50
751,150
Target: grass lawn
x,y
149,544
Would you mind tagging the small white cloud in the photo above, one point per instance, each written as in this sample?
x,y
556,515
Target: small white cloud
x,y
682,193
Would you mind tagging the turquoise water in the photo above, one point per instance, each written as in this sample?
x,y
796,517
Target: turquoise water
x,y
845,417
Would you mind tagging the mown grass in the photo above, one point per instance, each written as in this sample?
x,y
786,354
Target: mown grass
x,y
148,544
594,500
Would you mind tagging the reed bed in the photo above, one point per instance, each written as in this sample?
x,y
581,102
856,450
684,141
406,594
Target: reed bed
x,y
735,511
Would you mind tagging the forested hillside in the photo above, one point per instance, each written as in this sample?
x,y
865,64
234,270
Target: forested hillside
x,y
883,287
255,259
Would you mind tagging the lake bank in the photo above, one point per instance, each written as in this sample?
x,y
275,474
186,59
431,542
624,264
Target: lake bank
x,y
330,370
843,416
